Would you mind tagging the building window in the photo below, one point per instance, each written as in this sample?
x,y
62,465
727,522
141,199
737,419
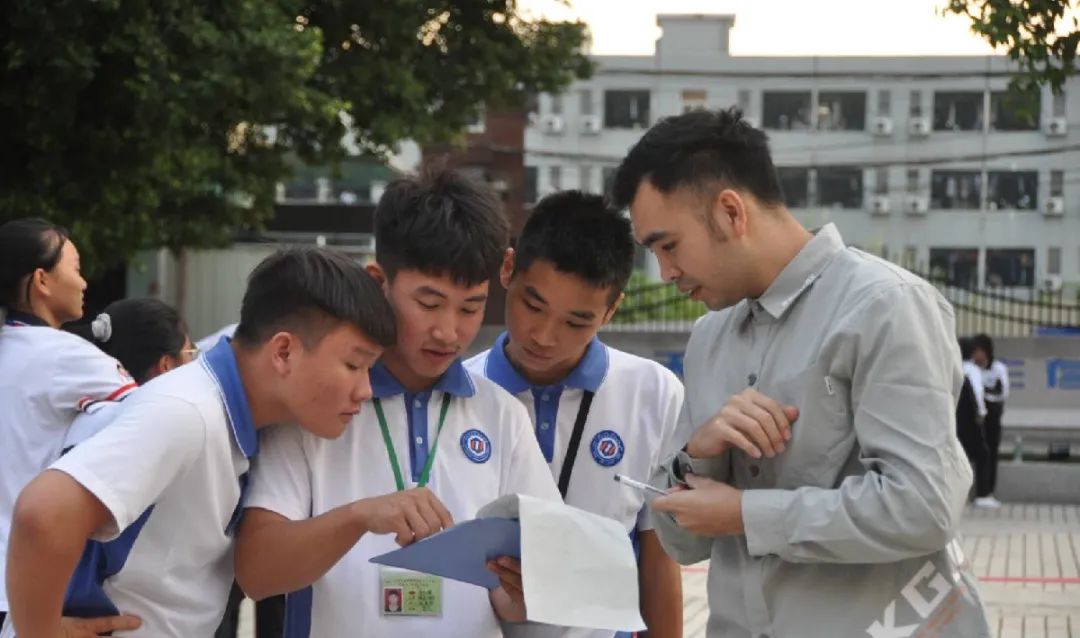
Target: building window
x,y
1012,267
608,175
910,258
956,190
1014,110
915,104
586,106
881,181
958,111
1012,190
744,101
693,100
795,183
626,109
884,103
841,111
556,104
840,187
531,173
1059,104
1057,183
955,266
786,110
913,181
585,173
1053,260
554,178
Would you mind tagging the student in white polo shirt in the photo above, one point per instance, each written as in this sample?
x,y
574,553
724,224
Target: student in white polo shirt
x,y
47,376
598,411
312,323
431,428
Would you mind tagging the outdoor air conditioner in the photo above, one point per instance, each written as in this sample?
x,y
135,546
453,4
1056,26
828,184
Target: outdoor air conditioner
x,y
552,124
883,126
1055,206
1057,127
916,205
919,127
1052,283
591,124
879,205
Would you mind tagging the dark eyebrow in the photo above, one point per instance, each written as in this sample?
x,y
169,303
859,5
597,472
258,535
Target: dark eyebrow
x,y
584,314
652,238
428,290
364,352
529,290
476,298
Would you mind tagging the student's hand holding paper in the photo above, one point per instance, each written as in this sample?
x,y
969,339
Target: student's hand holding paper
x,y
93,627
508,599
410,515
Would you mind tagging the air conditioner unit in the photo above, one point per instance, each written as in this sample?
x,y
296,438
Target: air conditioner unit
x,y
552,124
879,205
591,124
916,205
919,127
1052,283
882,126
1055,206
1057,127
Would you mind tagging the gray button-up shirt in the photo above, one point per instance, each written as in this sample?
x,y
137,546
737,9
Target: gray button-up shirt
x,y
850,531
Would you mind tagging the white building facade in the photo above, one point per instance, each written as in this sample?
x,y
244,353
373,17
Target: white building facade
x,y
927,161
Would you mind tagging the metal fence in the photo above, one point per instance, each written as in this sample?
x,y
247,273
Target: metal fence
x,y
1026,312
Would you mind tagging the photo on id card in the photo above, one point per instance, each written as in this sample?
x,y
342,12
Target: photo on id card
x,y
406,593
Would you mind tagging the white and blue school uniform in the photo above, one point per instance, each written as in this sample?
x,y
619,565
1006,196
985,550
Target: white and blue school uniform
x,y
177,455
47,377
615,413
484,449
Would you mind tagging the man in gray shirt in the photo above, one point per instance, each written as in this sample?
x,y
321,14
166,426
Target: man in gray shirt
x,y
821,474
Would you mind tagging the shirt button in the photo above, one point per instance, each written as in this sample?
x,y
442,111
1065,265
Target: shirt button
x,y
751,379
544,426
754,471
419,440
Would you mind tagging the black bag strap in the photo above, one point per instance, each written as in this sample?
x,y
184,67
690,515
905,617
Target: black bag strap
x,y
575,443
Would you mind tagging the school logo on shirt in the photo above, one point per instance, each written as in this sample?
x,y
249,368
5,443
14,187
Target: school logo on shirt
x,y
607,448
476,446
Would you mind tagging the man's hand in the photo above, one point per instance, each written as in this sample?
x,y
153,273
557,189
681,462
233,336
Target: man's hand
x,y
508,599
707,508
410,515
749,421
94,627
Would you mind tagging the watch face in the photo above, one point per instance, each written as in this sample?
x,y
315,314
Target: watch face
x,y
680,467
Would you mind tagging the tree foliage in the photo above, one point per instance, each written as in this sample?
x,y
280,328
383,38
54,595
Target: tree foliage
x,y
168,123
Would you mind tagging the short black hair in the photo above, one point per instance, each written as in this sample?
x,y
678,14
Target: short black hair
x,y
299,289
440,223
25,245
141,332
580,234
700,149
965,348
986,344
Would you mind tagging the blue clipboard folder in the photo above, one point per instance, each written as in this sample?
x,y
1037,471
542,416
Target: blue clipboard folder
x,y
461,552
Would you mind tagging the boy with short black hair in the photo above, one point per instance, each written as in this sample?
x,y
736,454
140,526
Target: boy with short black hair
x,y
598,411
433,431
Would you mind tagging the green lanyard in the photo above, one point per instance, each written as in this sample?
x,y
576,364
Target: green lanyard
x,y
426,473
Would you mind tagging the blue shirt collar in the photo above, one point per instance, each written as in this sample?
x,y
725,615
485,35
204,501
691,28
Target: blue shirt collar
x,y
220,362
16,318
587,375
455,381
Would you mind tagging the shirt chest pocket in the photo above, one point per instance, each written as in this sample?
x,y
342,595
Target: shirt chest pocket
x,y
823,435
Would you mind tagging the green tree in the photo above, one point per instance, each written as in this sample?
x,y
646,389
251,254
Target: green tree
x,y
168,123
1041,36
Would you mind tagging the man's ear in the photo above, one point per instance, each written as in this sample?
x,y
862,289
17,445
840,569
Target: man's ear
x,y
612,310
283,348
377,273
506,272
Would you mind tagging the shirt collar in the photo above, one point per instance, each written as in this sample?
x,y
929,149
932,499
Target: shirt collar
x,y
455,381
800,273
220,362
587,375
16,318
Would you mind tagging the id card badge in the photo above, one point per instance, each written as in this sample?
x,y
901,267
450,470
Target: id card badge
x,y
406,593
